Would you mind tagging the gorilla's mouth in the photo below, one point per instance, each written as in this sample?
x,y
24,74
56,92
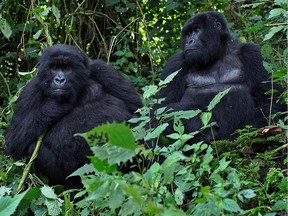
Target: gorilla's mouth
x,y
60,92
189,50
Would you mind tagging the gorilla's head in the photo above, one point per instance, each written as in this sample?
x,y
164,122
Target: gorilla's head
x,y
63,71
204,38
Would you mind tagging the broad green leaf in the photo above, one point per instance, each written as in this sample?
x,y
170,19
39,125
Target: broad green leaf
x,y
276,12
5,190
217,99
273,31
119,53
46,11
37,34
179,197
223,164
56,13
169,78
230,205
87,168
128,54
182,114
206,117
156,132
172,159
280,205
249,193
282,3
118,134
149,91
8,204
5,28
102,165
116,198
53,207
48,192
174,136
169,166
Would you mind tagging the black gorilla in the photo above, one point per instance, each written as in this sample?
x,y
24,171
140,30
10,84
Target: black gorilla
x,y
211,61
69,95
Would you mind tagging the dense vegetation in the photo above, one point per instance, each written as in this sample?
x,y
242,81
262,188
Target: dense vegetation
x,y
247,176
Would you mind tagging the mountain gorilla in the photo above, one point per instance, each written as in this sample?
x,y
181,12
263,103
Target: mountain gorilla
x,y
211,61
69,95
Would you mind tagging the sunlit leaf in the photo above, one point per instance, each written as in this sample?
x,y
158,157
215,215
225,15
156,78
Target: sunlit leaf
x,y
156,132
5,28
273,31
56,13
217,99
8,204
230,205
169,78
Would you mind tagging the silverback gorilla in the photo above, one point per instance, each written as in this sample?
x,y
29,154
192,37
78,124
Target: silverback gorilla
x,y
70,94
210,62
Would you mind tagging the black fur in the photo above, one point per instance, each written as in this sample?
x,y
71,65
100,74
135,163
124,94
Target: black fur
x,y
69,95
211,61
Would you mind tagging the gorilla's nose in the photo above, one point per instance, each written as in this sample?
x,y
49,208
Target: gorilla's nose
x,y
59,79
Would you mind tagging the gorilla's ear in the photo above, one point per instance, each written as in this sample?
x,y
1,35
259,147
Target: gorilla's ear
x,y
218,24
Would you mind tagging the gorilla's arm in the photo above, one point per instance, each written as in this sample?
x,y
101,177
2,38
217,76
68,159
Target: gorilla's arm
x,y
258,77
176,88
115,84
32,117
25,126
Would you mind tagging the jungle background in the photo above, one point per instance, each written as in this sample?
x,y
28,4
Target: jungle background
x,y
247,176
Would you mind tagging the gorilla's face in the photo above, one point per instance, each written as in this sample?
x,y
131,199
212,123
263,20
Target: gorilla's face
x,y
204,38
63,72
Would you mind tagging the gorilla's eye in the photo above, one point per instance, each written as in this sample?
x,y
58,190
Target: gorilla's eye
x,y
53,67
196,29
67,67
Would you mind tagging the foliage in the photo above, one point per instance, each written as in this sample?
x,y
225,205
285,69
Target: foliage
x,y
247,176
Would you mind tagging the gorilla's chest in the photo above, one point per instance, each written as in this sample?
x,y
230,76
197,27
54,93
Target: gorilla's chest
x,y
225,73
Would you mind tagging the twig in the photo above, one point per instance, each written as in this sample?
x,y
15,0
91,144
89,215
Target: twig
x,y
28,166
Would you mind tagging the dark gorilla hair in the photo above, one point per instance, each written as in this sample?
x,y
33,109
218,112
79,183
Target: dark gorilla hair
x,y
212,61
70,94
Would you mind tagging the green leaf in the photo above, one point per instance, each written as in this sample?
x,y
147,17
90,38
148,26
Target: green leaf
x,y
169,166
48,192
179,197
156,132
169,78
5,28
37,34
280,205
223,164
276,12
102,165
45,12
206,117
217,99
273,31
116,198
87,168
53,207
119,53
56,13
172,211
118,134
149,91
230,205
249,193
8,204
